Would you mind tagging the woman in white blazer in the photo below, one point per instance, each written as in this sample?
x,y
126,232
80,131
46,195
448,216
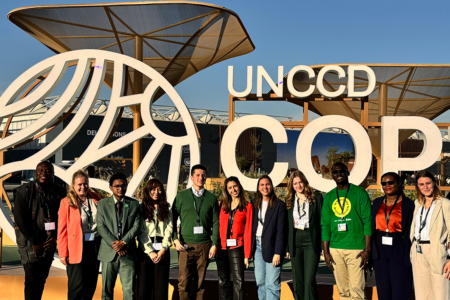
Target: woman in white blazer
x,y
430,232
155,240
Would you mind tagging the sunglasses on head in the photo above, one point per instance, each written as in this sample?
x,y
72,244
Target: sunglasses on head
x,y
388,182
341,171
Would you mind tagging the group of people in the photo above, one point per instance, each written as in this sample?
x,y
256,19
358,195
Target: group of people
x,y
404,241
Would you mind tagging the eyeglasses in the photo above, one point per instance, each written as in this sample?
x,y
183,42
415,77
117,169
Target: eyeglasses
x,y
339,171
123,186
388,182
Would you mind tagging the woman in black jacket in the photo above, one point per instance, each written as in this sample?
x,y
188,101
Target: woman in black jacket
x,y
269,227
392,216
304,209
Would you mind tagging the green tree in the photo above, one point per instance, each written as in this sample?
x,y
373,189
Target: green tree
x,y
345,156
257,155
242,163
332,156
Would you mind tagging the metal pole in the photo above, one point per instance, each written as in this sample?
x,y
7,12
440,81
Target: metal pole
x,y
382,101
382,111
138,89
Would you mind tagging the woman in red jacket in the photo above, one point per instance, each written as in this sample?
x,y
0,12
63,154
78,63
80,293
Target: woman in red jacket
x,y
235,239
78,240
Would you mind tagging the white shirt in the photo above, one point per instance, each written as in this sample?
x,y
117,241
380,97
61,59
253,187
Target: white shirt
x,y
304,221
263,211
84,208
425,234
198,193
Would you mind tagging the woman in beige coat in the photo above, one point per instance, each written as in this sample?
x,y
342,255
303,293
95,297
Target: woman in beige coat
x,y
430,231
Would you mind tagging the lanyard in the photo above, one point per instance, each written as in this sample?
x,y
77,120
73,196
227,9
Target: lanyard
x,y
195,206
422,224
231,220
303,208
345,199
386,216
89,212
157,222
44,199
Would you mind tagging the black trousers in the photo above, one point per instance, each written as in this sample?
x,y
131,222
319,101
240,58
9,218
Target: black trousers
x,y
83,276
152,279
35,276
394,279
304,267
232,259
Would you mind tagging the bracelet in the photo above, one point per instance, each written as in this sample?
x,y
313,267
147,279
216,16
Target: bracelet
x,y
366,251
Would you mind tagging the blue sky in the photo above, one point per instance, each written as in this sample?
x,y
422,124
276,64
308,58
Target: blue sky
x,y
285,33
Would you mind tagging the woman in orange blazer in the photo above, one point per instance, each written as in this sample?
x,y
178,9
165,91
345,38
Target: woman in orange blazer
x,y
78,240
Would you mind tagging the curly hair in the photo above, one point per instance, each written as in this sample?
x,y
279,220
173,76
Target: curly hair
x,y
307,190
226,197
147,201
71,193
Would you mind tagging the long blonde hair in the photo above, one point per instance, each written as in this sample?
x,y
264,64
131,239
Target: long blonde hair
x,y
437,194
71,194
307,190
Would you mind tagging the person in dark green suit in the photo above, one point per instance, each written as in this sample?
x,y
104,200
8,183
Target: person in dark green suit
x,y
305,235
118,222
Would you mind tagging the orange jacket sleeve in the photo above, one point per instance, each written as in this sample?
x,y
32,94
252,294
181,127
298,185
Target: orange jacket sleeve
x,y
63,249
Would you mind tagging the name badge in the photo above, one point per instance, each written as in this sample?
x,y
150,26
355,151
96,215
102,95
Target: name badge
x,y
300,226
89,236
198,230
342,227
386,240
419,249
157,246
50,226
231,242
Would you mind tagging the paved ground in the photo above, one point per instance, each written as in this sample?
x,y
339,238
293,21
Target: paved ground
x,y
11,266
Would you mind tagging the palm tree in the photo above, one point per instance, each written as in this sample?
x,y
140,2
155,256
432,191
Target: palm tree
x,y
332,156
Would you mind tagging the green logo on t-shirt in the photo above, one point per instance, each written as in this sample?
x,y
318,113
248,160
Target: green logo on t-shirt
x,y
337,207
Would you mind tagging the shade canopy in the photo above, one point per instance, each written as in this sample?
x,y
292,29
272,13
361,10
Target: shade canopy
x,y
176,38
410,90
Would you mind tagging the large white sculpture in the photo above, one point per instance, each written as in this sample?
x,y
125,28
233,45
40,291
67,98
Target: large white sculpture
x,y
57,65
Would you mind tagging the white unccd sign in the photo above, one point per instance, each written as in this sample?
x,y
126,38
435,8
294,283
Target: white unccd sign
x,y
277,87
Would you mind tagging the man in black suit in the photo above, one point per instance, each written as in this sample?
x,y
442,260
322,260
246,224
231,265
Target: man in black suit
x,y
36,216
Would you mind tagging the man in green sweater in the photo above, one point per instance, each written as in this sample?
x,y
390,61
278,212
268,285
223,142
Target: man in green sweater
x,y
346,233
198,210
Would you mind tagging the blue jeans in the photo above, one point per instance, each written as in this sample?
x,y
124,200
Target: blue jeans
x,y
268,279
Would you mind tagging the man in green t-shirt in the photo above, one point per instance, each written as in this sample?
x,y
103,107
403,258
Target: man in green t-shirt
x,y
198,210
346,233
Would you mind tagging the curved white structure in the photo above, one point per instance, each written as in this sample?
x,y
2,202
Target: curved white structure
x,y
57,65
